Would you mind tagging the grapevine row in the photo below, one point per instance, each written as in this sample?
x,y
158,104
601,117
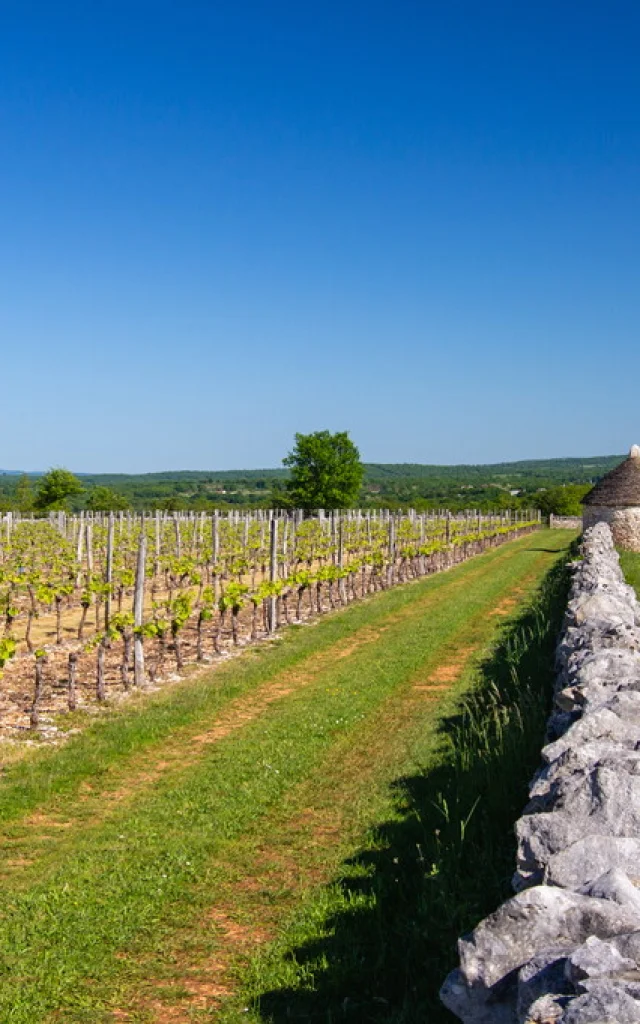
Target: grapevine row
x,y
110,601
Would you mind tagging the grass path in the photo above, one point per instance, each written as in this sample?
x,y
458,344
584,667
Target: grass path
x,y
158,866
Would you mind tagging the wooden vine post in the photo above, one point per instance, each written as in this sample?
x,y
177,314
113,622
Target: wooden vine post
x,y
108,576
342,590
138,613
34,720
101,692
156,564
215,546
273,573
71,682
392,551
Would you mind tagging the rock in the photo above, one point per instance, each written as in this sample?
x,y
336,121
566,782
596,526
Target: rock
x,y
604,1003
602,724
567,951
543,975
546,1010
601,610
556,784
595,959
540,919
590,857
614,885
628,944
606,802
465,1003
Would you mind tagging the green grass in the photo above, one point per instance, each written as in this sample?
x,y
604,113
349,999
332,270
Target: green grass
x,y
377,943
630,565
113,905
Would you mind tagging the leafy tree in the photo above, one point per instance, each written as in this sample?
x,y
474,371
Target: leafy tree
x,y
104,499
24,494
562,501
326,471
55,487
176,504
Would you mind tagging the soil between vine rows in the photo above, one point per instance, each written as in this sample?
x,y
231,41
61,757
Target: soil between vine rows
x,y
154,906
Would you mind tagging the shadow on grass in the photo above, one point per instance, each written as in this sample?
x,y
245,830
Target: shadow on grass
x,y
445,860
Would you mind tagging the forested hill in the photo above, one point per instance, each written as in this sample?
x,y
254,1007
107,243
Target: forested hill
x,y
568,470
389,484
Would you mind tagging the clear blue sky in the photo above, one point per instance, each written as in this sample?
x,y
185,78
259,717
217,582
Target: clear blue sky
x,y
224,221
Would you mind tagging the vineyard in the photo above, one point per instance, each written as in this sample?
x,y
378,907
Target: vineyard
x,y
96,605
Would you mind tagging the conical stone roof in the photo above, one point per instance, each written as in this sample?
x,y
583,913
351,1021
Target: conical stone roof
x,y
621,487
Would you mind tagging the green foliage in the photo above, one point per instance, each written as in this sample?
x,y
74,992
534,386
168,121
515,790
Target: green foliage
x,y
55,487
326,471
104,499
121,622
24,497
630,565
8,647
173,504
180,610
562,501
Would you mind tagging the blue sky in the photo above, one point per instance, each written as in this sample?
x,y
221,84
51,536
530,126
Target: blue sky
x,y
222,222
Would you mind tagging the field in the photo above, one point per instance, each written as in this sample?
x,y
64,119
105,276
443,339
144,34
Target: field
x,y
298,835
94,607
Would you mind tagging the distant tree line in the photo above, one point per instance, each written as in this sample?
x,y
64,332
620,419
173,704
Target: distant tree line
x,y
322,470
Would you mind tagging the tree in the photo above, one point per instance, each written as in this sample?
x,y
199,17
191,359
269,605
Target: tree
x,y
562,501
55,487
24,494
326,471
104,499
177,504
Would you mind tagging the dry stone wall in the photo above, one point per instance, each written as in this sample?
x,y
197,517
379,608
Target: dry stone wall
x,y
565,522
624,523
566,948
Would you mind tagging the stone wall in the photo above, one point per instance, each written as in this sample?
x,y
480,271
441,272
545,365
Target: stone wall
x,y
624,523
565,522
566,948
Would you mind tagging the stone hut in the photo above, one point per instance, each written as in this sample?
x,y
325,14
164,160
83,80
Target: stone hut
x,y
616,500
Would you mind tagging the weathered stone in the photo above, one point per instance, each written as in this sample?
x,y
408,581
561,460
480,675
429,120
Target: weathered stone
x,y
544,974
601,724
605,802
540,919
595,959
624,702
602,610
628,943
547,1009
477,1006
614,885
590,857
573,774
568,951
624,523
604,1003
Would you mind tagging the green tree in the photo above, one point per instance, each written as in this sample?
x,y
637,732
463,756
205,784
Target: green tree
x,y
562,501
326,471
24,494
177,504
55,487
104,499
